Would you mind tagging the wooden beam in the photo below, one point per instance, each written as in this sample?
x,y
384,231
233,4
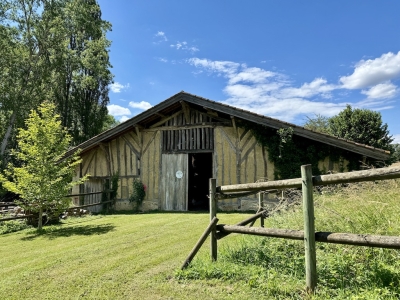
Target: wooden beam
x,y
186,111
139,135
160,115
349,177
200,242
165,119
107,154
210,112
378,241
190,126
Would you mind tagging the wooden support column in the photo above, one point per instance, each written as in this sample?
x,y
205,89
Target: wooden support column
x,y
213,214
186,111
260,207
309,228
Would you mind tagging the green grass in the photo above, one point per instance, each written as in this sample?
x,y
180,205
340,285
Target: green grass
x,y
108,257
125,256
275,267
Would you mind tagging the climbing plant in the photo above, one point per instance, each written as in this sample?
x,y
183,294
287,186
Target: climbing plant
x,y
288,152
138,194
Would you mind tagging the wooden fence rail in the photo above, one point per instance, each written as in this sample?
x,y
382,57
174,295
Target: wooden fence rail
x,y
68,209
378,241
349,177
307,182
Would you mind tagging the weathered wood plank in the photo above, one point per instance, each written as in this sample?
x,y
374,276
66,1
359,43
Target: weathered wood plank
x,y
199,243
377,241
213,215
349,177
309,228
166,119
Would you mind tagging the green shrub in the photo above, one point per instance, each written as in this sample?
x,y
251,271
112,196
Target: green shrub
x,y
12,226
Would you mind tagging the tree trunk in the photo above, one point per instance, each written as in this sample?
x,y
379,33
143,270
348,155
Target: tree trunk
x,y
7,134
40,219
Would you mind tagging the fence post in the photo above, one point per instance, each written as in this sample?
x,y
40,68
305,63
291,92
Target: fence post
x,y
260,206
213,214
309,228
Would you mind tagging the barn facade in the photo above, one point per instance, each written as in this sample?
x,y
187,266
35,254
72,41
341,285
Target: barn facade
x,y
177,145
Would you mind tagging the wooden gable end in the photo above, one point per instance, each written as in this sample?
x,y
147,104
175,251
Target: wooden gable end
x,y
188,129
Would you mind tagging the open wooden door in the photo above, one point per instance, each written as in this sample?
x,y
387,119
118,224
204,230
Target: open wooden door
x,y
174,182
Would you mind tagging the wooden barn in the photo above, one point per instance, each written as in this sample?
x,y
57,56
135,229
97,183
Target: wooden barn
x,y
177,145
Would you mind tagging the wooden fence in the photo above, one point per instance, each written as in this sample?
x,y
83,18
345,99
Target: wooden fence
x,y
68,209
307,183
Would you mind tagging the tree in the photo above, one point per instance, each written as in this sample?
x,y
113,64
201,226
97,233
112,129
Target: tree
x,y
396,152
53,49
318,123
362,126
110,122
82,74
45,176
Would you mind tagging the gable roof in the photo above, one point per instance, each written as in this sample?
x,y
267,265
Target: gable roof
x,y
174,103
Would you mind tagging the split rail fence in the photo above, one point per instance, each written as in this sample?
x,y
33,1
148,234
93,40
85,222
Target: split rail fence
x,y
307,183
11,204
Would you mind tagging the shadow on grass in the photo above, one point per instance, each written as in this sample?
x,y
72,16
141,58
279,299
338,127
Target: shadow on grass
x,y
194,212
54,232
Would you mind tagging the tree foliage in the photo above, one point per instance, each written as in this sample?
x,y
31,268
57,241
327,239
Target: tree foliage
x,y
44,177
318,123
362,126
57,50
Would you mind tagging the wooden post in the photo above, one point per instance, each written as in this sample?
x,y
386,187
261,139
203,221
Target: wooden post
x,y
260,206
213,214
199,243
309,228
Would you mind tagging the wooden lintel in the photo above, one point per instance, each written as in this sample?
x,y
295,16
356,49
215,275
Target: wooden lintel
x,y
186,111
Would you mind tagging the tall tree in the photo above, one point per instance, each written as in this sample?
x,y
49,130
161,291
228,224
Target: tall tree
x,y
83,70
57,50
44,176
23,70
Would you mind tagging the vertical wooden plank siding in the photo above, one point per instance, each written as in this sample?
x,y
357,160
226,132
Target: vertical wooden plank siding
x,y
174,190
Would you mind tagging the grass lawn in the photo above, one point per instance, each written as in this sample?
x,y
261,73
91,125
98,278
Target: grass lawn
x,y
138,256
110,257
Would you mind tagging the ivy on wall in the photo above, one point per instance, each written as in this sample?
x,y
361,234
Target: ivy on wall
x,y
288,152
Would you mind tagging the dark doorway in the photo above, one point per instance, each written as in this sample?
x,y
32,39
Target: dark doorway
x,y
200,171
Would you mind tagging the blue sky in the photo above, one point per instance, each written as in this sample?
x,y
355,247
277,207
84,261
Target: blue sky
x,y
283,59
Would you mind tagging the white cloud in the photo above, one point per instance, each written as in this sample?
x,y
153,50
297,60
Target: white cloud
x,y
117,87
274,94
184,46
141,105
381,91
373,71
396,138
116,110
164,60
123,119
161,37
